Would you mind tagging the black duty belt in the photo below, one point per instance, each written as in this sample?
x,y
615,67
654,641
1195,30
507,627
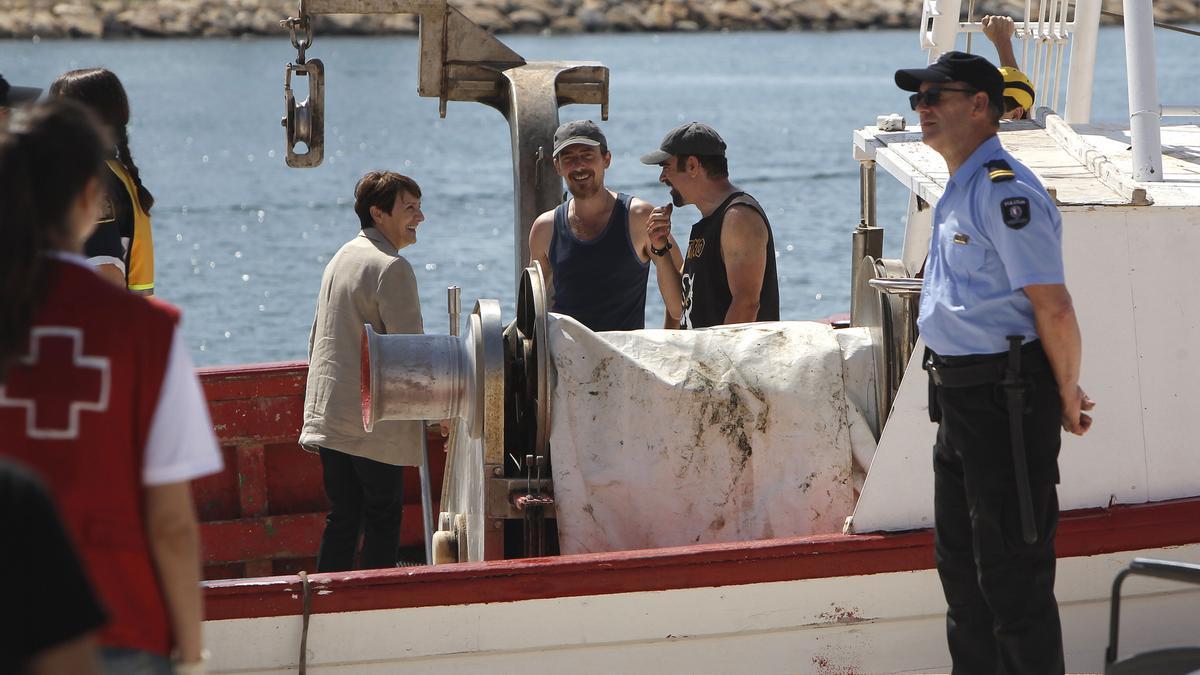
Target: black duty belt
x,y
975,370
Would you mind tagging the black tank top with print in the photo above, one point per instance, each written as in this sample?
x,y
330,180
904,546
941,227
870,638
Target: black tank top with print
x,y
706,295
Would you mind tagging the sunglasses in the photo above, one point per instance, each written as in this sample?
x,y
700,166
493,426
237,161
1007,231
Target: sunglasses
x,y
933,95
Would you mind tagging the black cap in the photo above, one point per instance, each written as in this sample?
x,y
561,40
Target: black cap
x,y
970,69
10,95
583,132
693,138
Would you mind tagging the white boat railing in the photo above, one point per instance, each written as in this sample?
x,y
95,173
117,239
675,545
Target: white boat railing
x,y
1047,30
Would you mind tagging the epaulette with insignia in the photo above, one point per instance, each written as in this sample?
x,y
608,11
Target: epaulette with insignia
x,y
999,171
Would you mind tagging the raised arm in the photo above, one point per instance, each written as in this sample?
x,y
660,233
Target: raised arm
x,y
651,228
540,234
744,239
1000,29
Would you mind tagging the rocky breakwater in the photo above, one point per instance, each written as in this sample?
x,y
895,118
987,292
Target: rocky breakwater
x,y
209,18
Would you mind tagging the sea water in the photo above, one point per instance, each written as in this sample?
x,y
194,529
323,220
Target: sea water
x,y
241,239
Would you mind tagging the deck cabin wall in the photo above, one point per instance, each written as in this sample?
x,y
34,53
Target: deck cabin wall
x,y
1127,269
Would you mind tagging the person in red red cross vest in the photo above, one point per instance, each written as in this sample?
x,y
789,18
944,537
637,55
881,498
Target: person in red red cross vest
x,y
112,418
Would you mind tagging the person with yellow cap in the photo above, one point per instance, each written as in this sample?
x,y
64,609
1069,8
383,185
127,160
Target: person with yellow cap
x,y
1018,91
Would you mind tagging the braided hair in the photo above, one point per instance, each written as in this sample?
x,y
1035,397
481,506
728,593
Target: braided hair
x,y
48,156
100,89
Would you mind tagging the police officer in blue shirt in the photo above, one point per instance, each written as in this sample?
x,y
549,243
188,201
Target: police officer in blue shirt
x,y
1003,359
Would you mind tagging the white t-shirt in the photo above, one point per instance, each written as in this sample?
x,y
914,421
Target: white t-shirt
x,y
181,445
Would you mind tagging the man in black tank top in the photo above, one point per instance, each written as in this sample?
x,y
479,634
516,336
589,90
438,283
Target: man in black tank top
x,y
594,248
729,273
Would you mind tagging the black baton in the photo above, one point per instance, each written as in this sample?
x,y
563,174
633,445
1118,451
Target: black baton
x,y
1014,390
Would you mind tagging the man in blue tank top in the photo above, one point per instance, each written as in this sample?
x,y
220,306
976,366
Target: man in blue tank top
x,y
594,248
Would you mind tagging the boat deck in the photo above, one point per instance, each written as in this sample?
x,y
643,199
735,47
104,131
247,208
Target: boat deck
x,y
1081,165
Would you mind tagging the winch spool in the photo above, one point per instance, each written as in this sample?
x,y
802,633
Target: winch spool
x,y
891,316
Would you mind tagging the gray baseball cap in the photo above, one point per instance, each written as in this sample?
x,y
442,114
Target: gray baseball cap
x,y
693,138
10,95
579,132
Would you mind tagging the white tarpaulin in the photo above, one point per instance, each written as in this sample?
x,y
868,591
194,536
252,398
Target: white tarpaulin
x,y
664,438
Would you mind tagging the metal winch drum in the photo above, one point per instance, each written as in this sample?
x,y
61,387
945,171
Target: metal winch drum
x,y
492,384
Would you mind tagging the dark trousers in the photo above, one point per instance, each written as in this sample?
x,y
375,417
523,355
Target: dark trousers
x,y
365,497
1002,616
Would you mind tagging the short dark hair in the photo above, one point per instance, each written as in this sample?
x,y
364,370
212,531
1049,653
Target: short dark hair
x,y
995,109
379,188
716,166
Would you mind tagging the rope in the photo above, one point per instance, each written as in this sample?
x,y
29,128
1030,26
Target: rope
x,y
1157,24
307,603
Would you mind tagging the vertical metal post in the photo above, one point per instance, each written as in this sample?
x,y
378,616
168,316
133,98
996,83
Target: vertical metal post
x,y
868,238
454,307
866,188
1143,91
426,496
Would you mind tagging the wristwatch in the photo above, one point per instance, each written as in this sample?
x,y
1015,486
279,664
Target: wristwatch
x,y
660,252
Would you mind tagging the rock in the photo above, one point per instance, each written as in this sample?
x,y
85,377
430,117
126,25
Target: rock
x,y
657,18
779,19
593,20
489,17
143,20
566,25
544,7
735,11
502,6
622,19
79,20
809,11
21,19
705,16
399,24
527,20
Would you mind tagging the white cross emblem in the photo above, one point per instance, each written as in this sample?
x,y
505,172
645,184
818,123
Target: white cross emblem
x,y
29,372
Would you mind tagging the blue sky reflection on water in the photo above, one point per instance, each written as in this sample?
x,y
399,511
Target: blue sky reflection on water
x,y
241,239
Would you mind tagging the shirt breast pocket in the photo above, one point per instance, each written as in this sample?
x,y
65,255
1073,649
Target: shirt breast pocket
x,y
965,259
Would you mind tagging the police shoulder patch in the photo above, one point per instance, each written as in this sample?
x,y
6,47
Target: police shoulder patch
x,y
999,171
1015,212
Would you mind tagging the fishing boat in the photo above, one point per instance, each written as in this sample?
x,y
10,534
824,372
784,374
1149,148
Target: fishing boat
x,y
856,593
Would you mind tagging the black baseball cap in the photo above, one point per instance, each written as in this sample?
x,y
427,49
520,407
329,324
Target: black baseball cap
x,y
970,69
10,95
693,138
579,132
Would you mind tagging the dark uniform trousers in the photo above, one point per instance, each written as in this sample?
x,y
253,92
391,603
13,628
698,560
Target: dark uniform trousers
x,y
1002,617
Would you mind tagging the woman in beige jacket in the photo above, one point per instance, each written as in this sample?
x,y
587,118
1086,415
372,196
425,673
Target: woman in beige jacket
x,y
366,282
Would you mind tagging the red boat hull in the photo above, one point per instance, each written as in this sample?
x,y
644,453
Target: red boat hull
x,y
264,514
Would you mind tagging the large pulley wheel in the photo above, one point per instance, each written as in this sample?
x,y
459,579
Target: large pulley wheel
x,y
526,345
886,317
